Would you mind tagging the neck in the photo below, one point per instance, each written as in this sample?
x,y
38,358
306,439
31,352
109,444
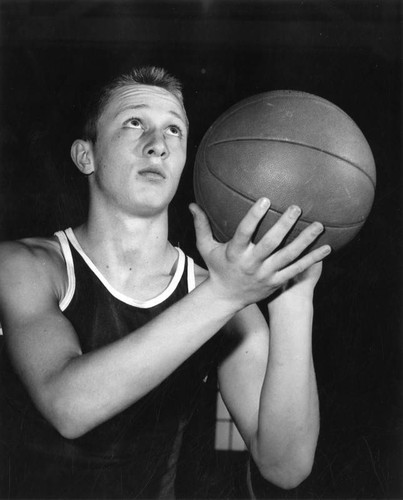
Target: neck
x,y
116,241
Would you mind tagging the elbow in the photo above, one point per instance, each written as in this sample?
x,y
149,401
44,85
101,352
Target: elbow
x,y
287,480
68,427
287,475
69,430
66,418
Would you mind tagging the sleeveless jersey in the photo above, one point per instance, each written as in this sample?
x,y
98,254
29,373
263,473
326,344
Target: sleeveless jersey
x,y
135,453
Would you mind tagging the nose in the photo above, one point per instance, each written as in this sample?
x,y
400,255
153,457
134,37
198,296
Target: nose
x,y
155,145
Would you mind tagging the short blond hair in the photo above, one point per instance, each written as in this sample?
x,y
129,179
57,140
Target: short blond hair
x,y
145,75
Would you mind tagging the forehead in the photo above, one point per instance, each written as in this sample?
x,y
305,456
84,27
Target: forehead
x,y
144,96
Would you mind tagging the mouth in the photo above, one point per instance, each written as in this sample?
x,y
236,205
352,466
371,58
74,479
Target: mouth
x,y
152,173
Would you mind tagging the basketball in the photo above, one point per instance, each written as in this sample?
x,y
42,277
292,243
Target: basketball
x,y
294,148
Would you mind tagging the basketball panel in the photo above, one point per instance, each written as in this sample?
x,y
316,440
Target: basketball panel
x,y
296,117
225,208
326,188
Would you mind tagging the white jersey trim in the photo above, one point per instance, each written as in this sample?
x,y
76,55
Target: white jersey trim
x,y
120,296
71,277
191,275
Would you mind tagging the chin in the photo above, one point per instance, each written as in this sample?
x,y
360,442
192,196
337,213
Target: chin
x,y
149,209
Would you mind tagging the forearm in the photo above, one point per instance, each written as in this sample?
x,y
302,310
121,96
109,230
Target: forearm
x,y
288,422
93,387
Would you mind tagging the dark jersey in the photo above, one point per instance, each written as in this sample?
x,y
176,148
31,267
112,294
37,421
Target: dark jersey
x,y
132,455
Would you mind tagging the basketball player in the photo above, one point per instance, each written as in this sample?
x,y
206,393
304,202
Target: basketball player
x,y
110,330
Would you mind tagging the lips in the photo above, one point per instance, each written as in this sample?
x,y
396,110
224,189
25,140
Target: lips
x,y
152,173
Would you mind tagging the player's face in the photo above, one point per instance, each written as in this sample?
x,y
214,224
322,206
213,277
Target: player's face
x,y
140,150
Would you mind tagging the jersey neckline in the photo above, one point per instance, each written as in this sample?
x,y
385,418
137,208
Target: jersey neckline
x,y
167,292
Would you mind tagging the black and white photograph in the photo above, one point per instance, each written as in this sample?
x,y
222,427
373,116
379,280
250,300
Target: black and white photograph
x,y
201,240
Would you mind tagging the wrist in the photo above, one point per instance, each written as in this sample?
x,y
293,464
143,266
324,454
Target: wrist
x,y
221,297
290,324
290,301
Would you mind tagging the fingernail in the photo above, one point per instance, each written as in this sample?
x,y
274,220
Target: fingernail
x,y
326,249
265,203
318,228
295,211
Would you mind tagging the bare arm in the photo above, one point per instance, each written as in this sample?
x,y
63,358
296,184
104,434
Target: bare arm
x,y
78,391
268,381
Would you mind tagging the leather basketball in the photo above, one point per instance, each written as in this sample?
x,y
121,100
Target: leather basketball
x,y
295,149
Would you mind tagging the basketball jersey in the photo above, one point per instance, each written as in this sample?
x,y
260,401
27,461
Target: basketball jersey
x,y
133,454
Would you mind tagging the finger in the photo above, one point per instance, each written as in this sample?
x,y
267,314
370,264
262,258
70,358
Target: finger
x,y
248,225
276,234
302,264
293,250
204,235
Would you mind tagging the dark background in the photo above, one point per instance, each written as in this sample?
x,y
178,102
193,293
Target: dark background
x,y
53,52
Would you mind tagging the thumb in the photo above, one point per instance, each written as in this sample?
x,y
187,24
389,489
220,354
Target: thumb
x,y
204,235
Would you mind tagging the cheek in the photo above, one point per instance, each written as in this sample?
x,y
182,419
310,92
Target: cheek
x,y
107,158
180,153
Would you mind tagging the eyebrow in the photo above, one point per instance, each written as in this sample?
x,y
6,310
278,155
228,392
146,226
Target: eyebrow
x,y
142,106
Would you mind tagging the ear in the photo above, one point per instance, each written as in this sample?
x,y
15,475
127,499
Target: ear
x,y
81,154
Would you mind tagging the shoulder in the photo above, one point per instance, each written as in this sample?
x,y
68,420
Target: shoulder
x,y
42,252
32,260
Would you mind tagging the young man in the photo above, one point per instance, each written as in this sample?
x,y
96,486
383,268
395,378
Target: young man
x,y
111,330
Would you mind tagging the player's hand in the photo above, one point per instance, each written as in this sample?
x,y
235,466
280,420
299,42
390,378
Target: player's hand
x,y
303,285
244,272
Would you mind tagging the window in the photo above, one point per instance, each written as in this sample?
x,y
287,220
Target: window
x,y
227,436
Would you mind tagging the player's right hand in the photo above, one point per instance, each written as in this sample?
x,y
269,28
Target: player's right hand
x,y
245,272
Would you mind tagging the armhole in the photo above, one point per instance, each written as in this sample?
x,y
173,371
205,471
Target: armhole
x,y
191,275
71,278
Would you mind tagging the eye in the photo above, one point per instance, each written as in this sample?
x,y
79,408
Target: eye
x,y
174,130
133,123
